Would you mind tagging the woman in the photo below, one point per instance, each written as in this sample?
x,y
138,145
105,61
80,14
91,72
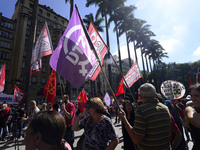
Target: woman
x,y
99,132
130,115
193,115
45,132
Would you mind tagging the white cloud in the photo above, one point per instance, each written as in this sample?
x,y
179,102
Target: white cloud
x,y
196,53
169,44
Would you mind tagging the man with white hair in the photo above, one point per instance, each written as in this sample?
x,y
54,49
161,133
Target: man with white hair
x,y
151,128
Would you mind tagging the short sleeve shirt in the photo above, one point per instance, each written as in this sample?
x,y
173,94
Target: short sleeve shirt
x,y
98,135
71,109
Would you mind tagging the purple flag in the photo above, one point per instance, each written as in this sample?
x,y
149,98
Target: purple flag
x,y
73,58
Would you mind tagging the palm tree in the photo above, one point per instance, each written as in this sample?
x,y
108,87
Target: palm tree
x,y
125,25
71,6
97,22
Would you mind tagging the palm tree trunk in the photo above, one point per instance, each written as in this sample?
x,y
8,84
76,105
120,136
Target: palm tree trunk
x,y
108,43
128,49
143,65
147,67
71,7
135,52
120,63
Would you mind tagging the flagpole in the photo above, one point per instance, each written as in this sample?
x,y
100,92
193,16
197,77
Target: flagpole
x,y
122,75
60,86
87,35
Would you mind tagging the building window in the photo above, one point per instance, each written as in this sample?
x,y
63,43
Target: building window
x,y
4,44
48,15
27,32
43,80
44,69
5,34
31,6
24,54
54,34
3,55
55,18
62,22
7,25
74,92
54,26
53,43
38,28
39,19
40,11
33,79
23,64
21,78
26,42
28,22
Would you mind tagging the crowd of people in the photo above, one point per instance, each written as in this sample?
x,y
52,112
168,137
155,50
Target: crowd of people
x,y
153,123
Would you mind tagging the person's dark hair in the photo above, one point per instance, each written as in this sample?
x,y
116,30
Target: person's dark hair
x,y
51,125
124,106
56,106
195,87
66,96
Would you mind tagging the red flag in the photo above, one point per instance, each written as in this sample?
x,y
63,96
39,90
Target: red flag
x,y
18,94
81,99
120,89
99,95
100,48
190,81
50,89
43,47
2,78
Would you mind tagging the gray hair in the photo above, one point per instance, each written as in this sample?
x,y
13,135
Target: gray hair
x,y
147,90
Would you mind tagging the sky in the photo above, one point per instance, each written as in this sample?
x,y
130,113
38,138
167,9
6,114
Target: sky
x,y
175,22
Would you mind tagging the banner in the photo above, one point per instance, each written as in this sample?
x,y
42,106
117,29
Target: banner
x,y
9,98
2,78
107,99
50,88
133,74
74,58
100,47
43,47
18,94
81,99
172,89
120,89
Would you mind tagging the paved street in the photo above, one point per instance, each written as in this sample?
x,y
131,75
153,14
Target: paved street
x,y
11,145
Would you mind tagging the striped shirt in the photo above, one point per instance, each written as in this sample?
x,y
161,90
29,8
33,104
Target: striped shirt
x,y
152,120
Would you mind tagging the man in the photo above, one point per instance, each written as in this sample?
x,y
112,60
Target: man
x,y
4,118
69,111
151,130
33,109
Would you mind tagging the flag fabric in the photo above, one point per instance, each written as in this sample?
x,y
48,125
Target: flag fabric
x,y
99,95
109,60
198,76
190,81
74,58
107,99
100,48
2,78
120,89
18,94
50,88
133,75
81,99
43,47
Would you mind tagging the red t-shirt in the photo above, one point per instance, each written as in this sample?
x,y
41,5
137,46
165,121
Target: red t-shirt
x,y
71,109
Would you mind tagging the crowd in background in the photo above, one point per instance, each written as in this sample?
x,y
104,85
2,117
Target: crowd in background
x,y
151,123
